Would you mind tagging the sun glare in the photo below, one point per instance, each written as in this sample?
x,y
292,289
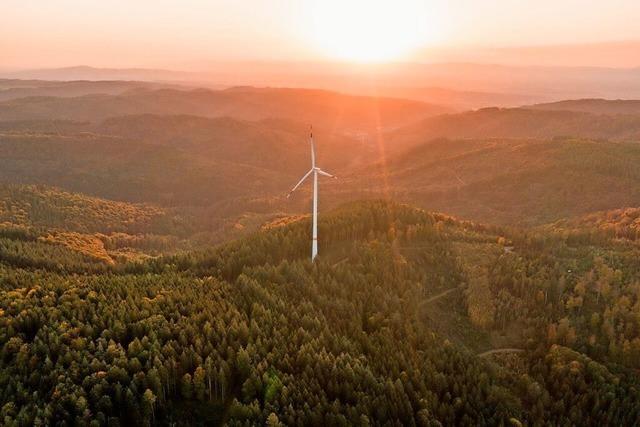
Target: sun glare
x,y
371,31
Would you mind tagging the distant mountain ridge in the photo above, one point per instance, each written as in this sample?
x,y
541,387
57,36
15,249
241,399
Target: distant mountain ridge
x,y
538,83
519,182
15,89
593,105
324,108
171,160
537,123
85,72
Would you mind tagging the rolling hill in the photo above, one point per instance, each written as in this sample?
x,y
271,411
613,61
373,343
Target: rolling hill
x,y
452,72
594,106
15,88
509,181
47,227
228,167
516,166
177,160
44,207
85,72
324,109
623,223
251,332
518,123
460,100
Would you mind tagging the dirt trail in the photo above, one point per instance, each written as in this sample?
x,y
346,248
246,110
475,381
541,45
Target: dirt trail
x,y
501,350
442,294
340,262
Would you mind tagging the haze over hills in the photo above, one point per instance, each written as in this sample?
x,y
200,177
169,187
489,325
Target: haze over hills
x,y
84,72
594,106
461,100
518,166
607,54
16,88
470,83
515,181
524,123
324,108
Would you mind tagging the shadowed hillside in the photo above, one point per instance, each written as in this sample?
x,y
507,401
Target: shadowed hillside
x,y
594,106
14,88
511,181
519,123
519,166
229,167
177,160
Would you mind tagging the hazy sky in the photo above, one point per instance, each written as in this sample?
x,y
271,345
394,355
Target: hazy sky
x,y
188,34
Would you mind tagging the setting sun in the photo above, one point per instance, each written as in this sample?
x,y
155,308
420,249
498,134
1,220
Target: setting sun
x,y
371,31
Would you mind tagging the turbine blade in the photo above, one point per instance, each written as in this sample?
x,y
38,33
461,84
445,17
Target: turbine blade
x,y
300,182
313,148
321,172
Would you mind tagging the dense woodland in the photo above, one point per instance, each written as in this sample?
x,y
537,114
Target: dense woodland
x,y
514,172
251,332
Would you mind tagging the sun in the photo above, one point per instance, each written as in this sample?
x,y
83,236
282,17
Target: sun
x,y
371,31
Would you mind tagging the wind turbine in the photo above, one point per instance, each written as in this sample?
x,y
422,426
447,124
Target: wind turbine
x,y
315,171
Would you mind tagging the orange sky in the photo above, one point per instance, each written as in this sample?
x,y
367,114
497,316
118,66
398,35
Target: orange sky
x,y
189,34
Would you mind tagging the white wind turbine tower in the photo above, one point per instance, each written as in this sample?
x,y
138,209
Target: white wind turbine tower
x,y
315,171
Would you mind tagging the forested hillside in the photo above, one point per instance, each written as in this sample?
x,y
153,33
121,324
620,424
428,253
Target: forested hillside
x,y
229,168
169,147
385,328
512,181
170,160
617,223
46,226
43,207
51,228
520,123
595,106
